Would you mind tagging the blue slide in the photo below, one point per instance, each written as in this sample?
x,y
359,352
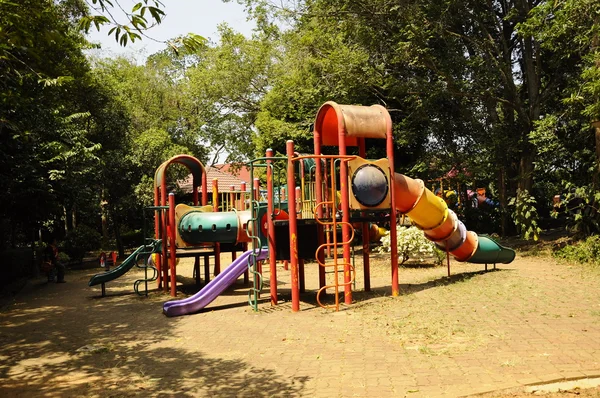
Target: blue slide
x,y
215,287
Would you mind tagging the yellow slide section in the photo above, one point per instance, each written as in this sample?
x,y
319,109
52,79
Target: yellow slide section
x,y
431,214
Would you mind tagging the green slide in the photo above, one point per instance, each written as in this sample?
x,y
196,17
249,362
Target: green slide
x,y
491,252
142,251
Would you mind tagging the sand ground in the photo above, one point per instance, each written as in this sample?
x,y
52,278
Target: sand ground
x,y
530,322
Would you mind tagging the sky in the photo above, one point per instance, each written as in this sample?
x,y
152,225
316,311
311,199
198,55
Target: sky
x,y
182,16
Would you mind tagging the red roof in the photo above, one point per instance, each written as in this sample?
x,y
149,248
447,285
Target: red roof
x,y
242,172
224,176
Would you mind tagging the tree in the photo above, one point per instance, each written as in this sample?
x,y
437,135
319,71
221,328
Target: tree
x,y
129,26
467,80
136,119
42,65
569,151
223,90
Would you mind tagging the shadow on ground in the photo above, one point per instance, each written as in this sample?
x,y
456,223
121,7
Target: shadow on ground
x,y
52,346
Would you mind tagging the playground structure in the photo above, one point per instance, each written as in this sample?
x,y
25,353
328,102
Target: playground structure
x,y
327,198
219,242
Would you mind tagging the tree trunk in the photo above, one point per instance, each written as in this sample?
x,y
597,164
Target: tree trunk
x,y
596,124
531,74
104,218
117,228
502,195
120,246
596,177
66,219
74,217
526,171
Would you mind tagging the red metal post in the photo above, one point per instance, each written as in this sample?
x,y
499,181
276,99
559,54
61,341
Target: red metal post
x,y
345,210
204,189
448,257
243,195
158,235
172,247
293,227
393,212
164,233
271,229
319,198
256,187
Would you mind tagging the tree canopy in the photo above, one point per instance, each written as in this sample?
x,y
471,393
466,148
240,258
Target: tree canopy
x,y
502,92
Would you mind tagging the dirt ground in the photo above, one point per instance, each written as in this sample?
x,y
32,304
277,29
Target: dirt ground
x,y
528,323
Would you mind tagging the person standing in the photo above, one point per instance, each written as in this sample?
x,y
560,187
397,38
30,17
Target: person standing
x,y
51,257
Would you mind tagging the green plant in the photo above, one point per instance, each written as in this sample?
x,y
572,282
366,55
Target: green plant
x,y
583,252
64,257
132,238
525,215
580,207
412,244
81,240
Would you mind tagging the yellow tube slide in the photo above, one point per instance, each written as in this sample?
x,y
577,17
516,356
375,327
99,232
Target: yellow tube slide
x,y
431,214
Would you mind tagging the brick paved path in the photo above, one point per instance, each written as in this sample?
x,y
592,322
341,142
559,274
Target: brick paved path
x,y
532,321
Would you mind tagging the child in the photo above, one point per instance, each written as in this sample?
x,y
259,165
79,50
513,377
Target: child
x,y
52,263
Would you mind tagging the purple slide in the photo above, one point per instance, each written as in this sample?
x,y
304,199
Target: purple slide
x,y
215,287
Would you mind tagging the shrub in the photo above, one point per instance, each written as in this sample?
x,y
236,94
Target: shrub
x,y
133,238
525,215
412,245
580,208
81,240
583,252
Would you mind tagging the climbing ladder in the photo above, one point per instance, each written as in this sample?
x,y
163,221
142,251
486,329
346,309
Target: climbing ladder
x,y
154,246
330,225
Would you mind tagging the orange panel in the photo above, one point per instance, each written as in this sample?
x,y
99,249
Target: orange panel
x,y
407,192
329,130
445,229
467,249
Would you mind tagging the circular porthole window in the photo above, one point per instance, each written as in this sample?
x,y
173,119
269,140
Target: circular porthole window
x,y
370,185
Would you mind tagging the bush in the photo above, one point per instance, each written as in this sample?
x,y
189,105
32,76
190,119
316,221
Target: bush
x,y
583,252
16,263
81,240
580,208
484,218
412,245
525,215
132,238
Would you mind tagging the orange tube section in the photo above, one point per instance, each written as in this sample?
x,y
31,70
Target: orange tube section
x,y
431,214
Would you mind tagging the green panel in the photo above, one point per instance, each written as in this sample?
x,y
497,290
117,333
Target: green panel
x,y
199,227
262,210
309,165
490,252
